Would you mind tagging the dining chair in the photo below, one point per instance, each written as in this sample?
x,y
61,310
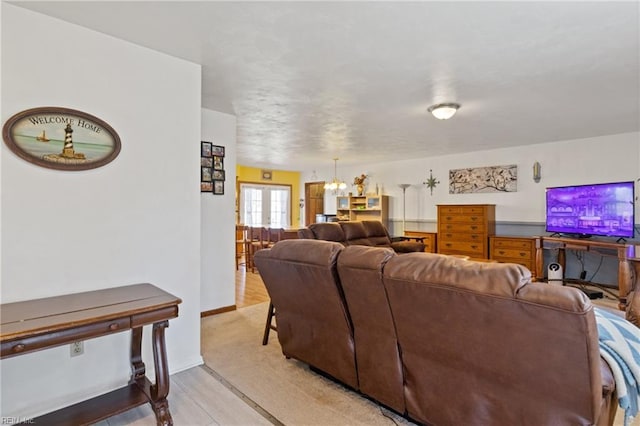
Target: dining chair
x,y
258,239
242,240
275,235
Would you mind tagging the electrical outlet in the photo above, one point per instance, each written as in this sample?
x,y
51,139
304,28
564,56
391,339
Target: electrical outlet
x,y
77,348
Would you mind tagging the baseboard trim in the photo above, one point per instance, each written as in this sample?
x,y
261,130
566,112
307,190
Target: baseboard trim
x,y
218,311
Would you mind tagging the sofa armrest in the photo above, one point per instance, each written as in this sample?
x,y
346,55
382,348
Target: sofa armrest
x,y
407,246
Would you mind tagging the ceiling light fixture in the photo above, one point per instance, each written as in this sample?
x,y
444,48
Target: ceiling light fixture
x,y
335,184
444,111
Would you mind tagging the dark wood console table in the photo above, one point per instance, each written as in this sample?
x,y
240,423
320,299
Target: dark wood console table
x,y
34,325
628,258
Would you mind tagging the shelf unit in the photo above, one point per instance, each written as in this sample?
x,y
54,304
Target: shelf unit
x,y
364,207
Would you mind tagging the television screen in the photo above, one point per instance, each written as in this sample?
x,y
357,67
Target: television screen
x,y
605,209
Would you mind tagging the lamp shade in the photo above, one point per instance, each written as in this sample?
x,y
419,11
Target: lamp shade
x,y
444,111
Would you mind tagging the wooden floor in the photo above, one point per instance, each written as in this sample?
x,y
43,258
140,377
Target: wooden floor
x,y
199,397
249,288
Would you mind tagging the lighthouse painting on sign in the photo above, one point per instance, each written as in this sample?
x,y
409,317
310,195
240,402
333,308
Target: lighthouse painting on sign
x,y
61,138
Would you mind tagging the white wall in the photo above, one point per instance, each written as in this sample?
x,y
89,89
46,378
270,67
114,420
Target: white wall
x,y
134,220
217,229
591,160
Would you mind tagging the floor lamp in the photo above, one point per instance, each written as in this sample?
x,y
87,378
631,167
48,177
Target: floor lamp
x,y
404,187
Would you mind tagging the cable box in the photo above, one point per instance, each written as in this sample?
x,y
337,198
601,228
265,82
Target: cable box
x,y
593,294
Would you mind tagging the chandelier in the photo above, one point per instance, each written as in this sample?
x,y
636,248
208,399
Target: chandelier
x,y
335,184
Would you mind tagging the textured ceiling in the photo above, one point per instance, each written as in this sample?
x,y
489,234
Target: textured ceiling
x,y
309,81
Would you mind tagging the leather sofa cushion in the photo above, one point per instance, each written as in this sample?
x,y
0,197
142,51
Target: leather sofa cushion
x,y
328,231
376,233
355,234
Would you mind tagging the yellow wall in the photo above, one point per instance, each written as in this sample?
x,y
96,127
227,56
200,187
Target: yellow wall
x,y
278,177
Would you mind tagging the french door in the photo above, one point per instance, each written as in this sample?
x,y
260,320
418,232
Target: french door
x,y
265,205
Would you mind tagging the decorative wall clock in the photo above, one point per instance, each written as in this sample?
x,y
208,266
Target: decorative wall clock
x,y
61,138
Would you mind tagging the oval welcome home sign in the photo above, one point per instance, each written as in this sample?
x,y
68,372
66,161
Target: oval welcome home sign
x,y
61,138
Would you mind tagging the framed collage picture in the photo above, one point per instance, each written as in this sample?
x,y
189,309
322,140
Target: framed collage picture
x,y
212,175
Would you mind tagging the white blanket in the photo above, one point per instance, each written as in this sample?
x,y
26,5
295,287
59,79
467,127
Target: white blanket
x,y
620,348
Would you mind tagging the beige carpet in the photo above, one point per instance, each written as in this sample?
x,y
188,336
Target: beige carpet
x,y
285,388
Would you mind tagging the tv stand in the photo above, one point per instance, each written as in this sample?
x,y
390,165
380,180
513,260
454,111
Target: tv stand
x,y
627,254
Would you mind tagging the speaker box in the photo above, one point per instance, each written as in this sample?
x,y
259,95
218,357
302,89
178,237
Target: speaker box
x,y
554,273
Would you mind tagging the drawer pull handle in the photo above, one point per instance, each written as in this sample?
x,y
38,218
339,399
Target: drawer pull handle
x,y
19,347
114,326
474,218
448,217
474,246
474,227
448,244
501,252
523,254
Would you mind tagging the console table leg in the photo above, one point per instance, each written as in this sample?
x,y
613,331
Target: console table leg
x,y
160,390
137,366
539,261
624,281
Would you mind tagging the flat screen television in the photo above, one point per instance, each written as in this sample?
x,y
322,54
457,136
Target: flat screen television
x,y
605,209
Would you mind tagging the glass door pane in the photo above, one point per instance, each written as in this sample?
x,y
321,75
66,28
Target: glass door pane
x,y
265,205
279,208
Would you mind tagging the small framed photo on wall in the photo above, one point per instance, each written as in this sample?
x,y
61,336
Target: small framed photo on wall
x,y
218,163
218,187
217,150
206,186
217,175
205,149
205,174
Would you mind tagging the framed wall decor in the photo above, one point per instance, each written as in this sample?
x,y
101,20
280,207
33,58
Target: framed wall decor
x,y
61,138
205,149
212,173
267,175
217,175
218,187
217,150
205,174
483,179
206,164
218,163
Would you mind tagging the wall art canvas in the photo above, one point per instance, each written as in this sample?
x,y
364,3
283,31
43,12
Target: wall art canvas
x,y
483,179
61,138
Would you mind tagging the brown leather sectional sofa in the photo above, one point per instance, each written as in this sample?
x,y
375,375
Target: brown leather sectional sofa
x,y
441,340
365,233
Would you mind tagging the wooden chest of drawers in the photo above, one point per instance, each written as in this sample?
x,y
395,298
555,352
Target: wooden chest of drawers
x,y
428,238
465,228
520,250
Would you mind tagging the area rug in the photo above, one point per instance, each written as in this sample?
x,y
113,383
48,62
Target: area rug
x,y
284,388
